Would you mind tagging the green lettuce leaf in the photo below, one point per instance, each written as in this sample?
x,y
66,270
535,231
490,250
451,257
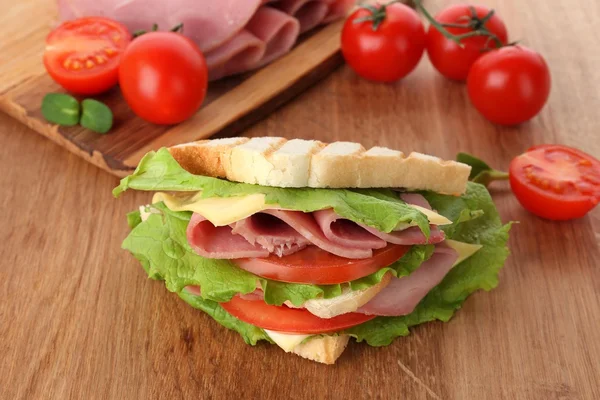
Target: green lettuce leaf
x,y
160,244
381,209
403,267
250,333
480,271
134,218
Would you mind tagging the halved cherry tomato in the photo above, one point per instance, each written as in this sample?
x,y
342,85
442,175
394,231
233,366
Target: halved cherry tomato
x,y
452,60
556,182
285,319
83,55
317,266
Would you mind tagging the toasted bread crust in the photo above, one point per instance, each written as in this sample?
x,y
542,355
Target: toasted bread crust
x,y
301,163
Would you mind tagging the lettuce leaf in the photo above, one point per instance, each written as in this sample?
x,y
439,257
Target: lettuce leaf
x,y
381,209
480,271
160,244
250,333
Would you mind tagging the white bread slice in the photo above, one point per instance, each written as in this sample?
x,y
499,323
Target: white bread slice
x,y
348,301
324,349
271,161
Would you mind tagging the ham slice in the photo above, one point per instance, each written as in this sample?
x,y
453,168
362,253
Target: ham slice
x,y
271,234
415,199
235,35
267,36
242,53
409,236
402,295
217,242
276,29
305,224
309,13
345,232
348,233
337,9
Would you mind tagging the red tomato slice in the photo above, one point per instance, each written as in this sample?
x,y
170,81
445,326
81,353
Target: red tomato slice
x,y
556,182
285,319
317,266
83,55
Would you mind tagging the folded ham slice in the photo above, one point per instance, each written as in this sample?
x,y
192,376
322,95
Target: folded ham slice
x,y
401,295
309,13
235,35
271,234
217,242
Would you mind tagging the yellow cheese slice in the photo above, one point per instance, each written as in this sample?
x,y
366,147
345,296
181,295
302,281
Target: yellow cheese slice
x,y
287,341
433,217
221,211
464,250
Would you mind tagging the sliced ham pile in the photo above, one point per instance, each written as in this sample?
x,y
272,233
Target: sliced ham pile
x,y
286,232
235,35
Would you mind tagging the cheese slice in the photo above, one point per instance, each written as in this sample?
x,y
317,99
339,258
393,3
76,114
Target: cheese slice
x,y
287,341
221,211
433,217
464,250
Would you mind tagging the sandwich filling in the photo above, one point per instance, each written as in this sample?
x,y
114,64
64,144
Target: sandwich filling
x,y
289,265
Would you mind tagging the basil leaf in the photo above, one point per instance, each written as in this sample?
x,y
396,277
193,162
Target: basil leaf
x,y
480,171
61,109
96,116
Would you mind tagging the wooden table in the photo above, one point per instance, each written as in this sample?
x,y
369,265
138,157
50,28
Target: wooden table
x,y
79,319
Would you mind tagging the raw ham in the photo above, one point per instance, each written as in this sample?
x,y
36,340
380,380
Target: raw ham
x,y
402,295
235,35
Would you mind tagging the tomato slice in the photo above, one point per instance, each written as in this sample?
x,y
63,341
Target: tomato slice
x,y
317,266
285,319
83,55
556,182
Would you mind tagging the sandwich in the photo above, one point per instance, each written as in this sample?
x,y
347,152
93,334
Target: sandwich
x,y
306,245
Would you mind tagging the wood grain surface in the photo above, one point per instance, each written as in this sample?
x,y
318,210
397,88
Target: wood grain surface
x,y
231,104
80,320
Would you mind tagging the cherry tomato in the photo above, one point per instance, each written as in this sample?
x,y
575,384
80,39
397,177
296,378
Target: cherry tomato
x,y
163,77
556,182
83,55
317,266
452,60
509,85
387,46
285,319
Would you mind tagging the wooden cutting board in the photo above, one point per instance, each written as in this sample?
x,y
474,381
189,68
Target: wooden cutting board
x,y
231,105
